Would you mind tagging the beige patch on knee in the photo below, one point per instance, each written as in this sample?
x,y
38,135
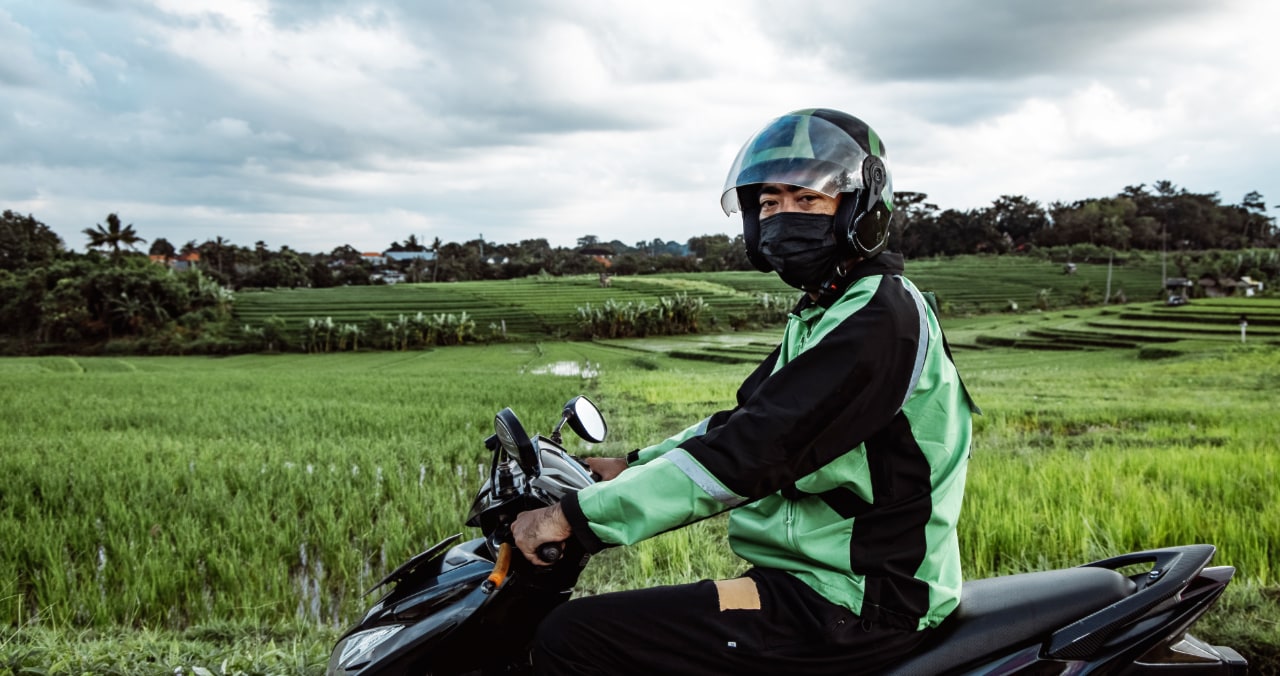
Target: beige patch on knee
x,y
738,594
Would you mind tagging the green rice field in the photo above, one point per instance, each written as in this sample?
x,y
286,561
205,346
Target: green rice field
x,y
537,307
226,514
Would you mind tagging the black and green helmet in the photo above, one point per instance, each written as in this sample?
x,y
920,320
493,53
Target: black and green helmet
x,y
823,150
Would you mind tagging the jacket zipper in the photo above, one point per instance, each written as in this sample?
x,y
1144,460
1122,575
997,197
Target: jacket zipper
x,y
791,518
805,329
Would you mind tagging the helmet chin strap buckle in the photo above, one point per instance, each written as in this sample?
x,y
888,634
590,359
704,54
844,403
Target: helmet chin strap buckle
x,y
831,289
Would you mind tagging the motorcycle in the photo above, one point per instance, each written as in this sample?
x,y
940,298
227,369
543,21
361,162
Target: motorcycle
x,y
472,607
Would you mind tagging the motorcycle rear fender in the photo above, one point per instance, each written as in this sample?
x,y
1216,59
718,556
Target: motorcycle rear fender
x,y
1172,569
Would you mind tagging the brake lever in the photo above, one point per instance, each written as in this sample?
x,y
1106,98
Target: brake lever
x,y
595,476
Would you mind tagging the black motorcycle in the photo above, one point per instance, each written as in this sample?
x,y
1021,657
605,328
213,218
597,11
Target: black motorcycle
x,y
472,607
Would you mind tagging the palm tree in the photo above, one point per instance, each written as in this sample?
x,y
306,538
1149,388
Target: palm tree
x,y
113,236
220,248
435,264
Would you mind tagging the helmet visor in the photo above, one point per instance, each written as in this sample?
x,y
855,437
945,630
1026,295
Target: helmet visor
x,y
799,150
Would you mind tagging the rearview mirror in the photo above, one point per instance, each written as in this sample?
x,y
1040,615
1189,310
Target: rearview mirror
x,y
517,444
585,419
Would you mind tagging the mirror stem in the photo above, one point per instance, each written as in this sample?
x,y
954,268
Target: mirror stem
x,y
555,433
506,480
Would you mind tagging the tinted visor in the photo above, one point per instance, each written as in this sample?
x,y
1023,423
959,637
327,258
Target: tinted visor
x,y
800,150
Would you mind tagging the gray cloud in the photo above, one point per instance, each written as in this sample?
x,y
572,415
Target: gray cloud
x,y
313,123
996,40
20,67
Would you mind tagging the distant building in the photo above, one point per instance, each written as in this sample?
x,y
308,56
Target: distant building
x,y
374,258
1248,287
1178,287
602,254
387,277
1219,288
428,256
186,261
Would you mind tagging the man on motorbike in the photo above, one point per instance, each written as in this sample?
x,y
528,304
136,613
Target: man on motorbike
x,y
843,460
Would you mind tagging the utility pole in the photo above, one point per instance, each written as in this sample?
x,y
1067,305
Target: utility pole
x,y
1106,300
1164,246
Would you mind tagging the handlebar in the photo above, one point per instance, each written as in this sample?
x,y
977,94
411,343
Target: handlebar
x,y
550,552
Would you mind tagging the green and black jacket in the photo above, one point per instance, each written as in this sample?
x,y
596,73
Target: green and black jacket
x,y
844,460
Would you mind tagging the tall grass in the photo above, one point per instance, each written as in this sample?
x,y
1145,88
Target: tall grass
x,y
255,488
187,492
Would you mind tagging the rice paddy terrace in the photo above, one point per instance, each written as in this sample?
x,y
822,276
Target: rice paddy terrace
x,y
986,302
1153,327
536,306
530,308
976,284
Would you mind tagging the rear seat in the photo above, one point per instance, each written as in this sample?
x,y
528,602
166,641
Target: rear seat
x,y
1001,614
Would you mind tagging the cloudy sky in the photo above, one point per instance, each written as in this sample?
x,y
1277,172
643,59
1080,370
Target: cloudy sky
x,y
317,123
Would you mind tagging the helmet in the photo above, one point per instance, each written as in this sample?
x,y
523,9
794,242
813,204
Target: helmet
x,y
823,150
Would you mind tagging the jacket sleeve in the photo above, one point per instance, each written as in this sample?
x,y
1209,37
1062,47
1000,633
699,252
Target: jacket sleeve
x,y
643,455
847,383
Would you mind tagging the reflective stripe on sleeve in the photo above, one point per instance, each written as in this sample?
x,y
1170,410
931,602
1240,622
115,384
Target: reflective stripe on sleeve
x,y
922,346
702,478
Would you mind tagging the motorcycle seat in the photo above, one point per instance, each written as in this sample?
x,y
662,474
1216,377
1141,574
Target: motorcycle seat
x,y
1004,613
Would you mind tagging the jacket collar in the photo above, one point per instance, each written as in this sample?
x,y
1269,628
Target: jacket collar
x,y
884,264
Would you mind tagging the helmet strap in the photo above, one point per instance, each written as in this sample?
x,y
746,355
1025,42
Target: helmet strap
x,y
846,223
833,288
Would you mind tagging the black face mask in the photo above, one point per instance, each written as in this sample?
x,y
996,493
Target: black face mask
x,y
801,248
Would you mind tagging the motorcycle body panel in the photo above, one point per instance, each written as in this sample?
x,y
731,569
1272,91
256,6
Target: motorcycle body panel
x,y
442,605
435,618
431,599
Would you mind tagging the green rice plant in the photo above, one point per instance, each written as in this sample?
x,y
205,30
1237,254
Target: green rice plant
x,y
173,493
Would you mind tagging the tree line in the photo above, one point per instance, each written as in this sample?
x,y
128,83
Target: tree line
x,y
182,295
58,300
1138,218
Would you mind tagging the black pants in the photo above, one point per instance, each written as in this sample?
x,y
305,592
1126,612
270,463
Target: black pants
x,y
768,623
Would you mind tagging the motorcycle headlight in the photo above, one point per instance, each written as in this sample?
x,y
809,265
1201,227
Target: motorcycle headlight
x,y
356,650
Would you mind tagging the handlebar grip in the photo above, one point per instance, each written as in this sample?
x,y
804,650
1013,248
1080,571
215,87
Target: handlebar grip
x,y
550,552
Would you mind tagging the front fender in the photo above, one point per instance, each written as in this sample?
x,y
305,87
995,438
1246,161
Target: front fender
x,y
440,591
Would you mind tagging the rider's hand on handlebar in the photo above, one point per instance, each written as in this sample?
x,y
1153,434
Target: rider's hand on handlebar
x,y
607,468
537,527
